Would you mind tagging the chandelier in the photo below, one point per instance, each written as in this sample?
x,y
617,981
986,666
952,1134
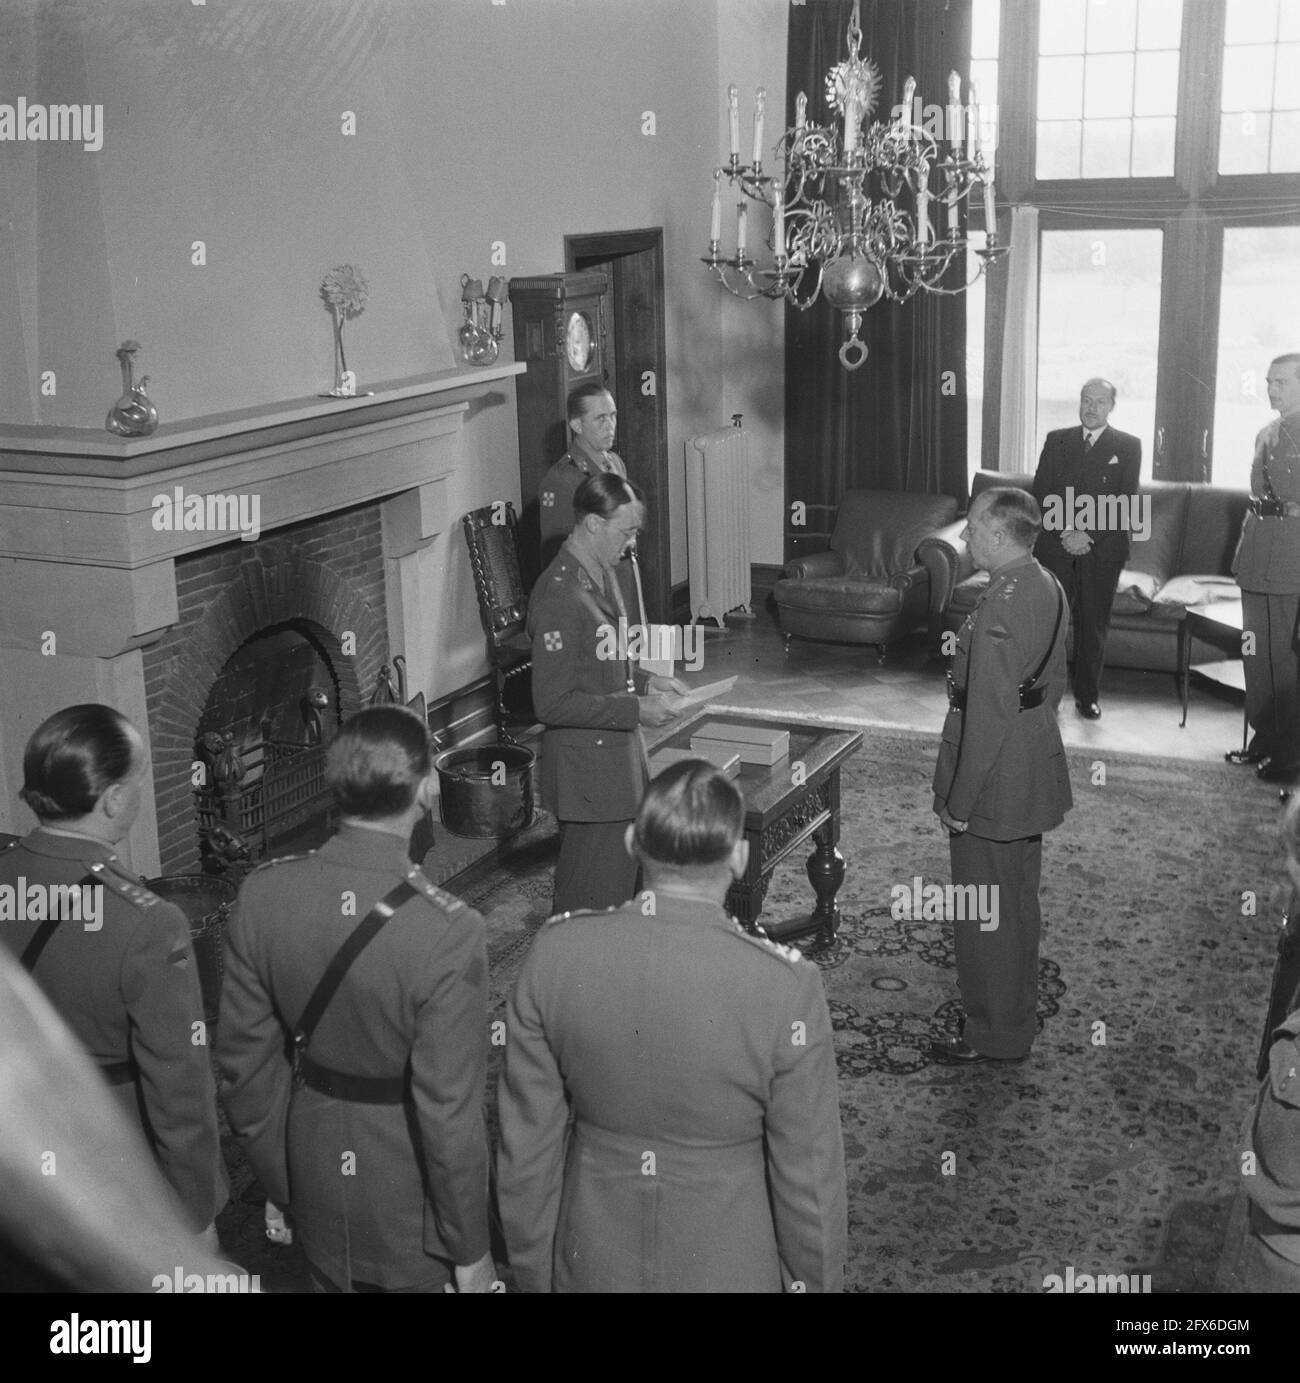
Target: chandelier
x,y
856,216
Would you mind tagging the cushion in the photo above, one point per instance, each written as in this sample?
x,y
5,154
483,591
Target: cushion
x,y
1197,590
878,531
1158,554
1214,519
1135,592
840,594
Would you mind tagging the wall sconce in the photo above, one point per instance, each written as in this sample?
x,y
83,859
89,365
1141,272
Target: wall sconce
x,y
480,333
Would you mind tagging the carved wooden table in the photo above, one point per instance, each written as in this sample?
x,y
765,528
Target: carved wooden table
x,y
796,800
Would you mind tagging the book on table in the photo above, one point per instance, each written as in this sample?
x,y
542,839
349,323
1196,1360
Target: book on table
x,y
718,755
756,744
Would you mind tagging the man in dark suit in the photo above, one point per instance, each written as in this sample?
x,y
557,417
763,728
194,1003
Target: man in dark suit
x,y
669,1114
1002,779
1086,486
591,697
372,1135
1267,568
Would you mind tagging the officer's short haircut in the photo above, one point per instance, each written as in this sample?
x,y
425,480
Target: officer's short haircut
x,y
74,758
603,494
692,815
577,404
1291,358
376,763
1016,510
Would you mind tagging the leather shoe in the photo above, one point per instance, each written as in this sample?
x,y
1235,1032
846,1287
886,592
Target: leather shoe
x,y
954,1051
1089,710
1245,756
1272,772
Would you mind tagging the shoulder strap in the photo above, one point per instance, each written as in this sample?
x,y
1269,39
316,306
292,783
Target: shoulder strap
x,y
1056,629
40,937
361,937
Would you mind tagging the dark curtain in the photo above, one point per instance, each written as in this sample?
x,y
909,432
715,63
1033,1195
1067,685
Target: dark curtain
x,y
899,421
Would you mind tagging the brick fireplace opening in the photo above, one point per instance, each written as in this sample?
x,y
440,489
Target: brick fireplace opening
x,y
265,632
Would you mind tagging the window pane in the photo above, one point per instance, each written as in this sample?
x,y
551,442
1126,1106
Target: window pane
x,y
986,16
1261,279
1153,147
1060,88
1106,148
1099,314
1155,87
1286,143
1160,23
1108,86
1112,26
1243,142
1247,78
1060,26
1288,23
974,353
1058,149
1251,21
1286,94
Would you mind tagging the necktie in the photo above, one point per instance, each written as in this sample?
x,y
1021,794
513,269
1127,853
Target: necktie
x,y
1088,440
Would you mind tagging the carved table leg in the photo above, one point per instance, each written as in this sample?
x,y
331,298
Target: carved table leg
x,y
826,874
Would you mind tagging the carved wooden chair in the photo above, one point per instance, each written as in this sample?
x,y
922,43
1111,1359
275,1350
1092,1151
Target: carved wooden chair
x,y
492,536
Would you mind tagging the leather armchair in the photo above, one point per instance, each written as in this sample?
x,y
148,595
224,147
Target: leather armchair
x,y
868,588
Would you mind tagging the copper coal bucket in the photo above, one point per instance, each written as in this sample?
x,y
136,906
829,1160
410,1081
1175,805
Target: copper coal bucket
x,y
486,791
205,901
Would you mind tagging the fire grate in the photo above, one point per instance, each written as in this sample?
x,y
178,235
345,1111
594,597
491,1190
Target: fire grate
x,y
263,792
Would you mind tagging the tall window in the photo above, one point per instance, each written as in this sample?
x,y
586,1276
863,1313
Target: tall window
x,y
1107,88
986,19
1259,127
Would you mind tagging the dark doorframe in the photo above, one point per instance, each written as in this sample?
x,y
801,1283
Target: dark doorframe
x,y
634,262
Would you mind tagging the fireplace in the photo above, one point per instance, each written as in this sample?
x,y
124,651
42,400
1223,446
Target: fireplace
x,y
230,651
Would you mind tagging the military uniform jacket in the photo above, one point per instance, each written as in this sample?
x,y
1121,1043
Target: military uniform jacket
x,y
1274,1138
130,992
593,759
696,1065
1112,467
375,1189
1002,769
560,484
1268,557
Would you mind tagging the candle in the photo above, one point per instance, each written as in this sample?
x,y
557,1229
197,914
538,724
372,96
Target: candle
x,y
954,108
850,125
742,211
760,104
733,120
909,93
715,220
778,226
990,211
952,211
923,203
800,112
975,118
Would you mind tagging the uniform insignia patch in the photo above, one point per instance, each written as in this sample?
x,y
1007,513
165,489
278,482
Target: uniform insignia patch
x,y
548,499
552,641
584,580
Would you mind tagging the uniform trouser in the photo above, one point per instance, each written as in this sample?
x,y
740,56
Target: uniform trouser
x,y
1089,583
594,869
436,1281
997,970
1272,692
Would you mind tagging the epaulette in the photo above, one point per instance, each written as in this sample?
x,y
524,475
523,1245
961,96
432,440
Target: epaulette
x,y
578,912
121,884
584,579
448,902
1007,591
281,859
773,948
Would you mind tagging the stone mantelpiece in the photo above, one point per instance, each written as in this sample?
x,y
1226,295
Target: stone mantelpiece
x,y
88,582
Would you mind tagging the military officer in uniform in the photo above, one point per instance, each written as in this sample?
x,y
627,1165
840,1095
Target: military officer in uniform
x,y
1267,568
1002,779
353,1035
593,421
591,697
1098,461
669,1112
114,959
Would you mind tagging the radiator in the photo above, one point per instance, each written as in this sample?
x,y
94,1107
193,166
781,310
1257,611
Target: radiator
x,y
717,523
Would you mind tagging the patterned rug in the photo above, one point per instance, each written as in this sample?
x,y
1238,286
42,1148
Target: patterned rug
x,y
1112,1149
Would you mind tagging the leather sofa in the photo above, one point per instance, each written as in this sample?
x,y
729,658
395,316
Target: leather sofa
x,y
868,588
1187,559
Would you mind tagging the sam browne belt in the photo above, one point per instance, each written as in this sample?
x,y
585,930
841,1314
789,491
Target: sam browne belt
x,y
1031,692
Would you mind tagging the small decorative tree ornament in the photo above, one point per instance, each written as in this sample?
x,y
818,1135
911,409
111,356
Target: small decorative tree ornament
x,y
345,291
